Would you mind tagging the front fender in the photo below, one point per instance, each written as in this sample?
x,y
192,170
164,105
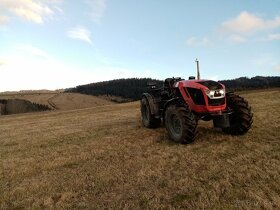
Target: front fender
x,y
177,100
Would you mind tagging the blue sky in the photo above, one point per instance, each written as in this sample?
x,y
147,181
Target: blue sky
x,y
51,44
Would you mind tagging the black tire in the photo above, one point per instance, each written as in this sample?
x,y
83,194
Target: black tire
x,y
148,119
242,117
181,124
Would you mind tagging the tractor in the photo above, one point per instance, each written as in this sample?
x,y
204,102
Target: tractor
x,y
180,103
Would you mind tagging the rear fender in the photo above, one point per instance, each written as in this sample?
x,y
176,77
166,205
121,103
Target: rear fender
x,y
152,104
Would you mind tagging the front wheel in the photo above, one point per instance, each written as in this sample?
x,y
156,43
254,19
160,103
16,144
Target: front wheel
x,y
242,117
181,124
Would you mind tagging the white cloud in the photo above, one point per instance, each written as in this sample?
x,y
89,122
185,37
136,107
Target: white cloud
x,y
80,33
4,19
23,69
98,8
265,63
23,73
273,37
277,68
213,77
194,41
247,23
2,61
237,38
34,51
36,11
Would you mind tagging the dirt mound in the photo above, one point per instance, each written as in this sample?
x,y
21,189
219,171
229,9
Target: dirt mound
x,y
60,101
16,106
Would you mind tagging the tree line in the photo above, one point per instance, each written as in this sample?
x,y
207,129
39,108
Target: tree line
x,y
126,88
133,88
245,83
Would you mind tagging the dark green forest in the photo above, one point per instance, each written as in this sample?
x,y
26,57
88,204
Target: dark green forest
x,y
258,82
133,88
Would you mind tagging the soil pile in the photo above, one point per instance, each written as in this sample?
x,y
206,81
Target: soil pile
x,y
16,106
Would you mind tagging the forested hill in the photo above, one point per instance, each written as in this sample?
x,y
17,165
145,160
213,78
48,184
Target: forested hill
x,y
258,82
132,89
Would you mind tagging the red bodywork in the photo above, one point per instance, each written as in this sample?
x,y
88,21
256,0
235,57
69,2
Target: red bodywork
x,y
184,84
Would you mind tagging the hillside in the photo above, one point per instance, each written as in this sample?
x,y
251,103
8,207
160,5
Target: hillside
x,y
132,89
58,100
102,157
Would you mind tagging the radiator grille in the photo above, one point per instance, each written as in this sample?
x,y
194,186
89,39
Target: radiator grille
x,y
216,102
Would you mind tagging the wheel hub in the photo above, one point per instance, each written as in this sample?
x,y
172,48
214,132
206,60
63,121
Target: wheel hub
x,y
176,124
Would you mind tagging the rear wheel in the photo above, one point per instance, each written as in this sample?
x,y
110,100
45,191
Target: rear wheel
x,y
181,124
148,119
242,117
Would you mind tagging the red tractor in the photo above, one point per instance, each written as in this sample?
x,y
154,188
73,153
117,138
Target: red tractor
x,y
181,103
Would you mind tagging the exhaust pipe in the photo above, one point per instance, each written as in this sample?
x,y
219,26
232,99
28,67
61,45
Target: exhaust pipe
x,y
197,69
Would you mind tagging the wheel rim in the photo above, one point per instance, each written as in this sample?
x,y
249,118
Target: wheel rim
x,y
176,126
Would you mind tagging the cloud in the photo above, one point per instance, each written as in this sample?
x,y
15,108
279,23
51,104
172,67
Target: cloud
x,y
273,37
4,19
2,62
277,68
29,52
36,11
213,77
22,68
247,23
25,69
80,33
237,38
34,51
194,41
22,72
98,8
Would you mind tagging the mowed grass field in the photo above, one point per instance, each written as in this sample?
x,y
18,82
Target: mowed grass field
x,y
103,158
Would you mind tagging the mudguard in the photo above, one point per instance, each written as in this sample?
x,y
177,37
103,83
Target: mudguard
x,y
152,103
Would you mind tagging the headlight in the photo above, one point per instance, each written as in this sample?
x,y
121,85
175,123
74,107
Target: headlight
x,y
214,94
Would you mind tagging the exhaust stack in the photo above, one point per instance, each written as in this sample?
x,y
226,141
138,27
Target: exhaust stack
x,y
197,69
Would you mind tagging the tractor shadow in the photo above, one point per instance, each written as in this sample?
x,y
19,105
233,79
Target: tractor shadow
x,y
205,133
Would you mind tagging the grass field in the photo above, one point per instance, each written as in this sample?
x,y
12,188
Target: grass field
x,y
102,157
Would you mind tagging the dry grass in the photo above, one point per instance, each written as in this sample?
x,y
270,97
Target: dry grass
x,y
102,157
60,100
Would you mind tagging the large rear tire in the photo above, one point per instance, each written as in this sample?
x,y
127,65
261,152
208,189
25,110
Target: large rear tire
x,y
242,117
148,119
181,124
